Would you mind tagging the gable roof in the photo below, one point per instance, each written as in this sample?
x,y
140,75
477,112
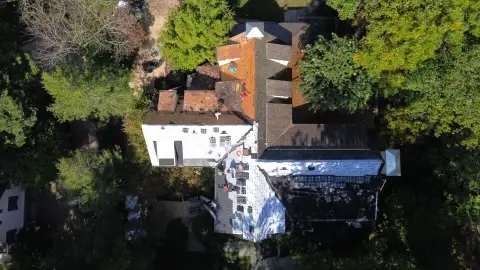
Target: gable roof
x,y
279,52
279,88
167,100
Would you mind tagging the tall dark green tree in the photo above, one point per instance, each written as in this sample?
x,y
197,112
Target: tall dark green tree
x,y
330,78
18,81
93,90
442,97
30,140
402,34
194,31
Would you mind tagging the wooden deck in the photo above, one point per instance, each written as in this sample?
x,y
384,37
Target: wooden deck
x,y
245,72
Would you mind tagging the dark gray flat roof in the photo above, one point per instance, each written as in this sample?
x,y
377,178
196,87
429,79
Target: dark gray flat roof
x,y
328,198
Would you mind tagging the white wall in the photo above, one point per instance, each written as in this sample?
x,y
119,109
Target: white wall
x,y
11,219
195,145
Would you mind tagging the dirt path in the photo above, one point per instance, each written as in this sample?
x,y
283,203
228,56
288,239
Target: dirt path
x,y
159,11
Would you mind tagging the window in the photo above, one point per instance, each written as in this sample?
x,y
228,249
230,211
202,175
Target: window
x,y
216,129
185,130
222,141
311,167
11,236
244,190
249,209
251,229
155,147
213,142
241,199
13,203
240,208
228,140
203,131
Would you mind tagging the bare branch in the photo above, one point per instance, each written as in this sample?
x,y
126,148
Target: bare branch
x,y
63,28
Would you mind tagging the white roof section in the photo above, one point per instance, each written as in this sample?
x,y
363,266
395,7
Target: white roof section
x,y
199,142
253,31
392,162
321,167
268,214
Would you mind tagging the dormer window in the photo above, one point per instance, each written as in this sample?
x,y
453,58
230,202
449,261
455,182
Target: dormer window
x,y
185,130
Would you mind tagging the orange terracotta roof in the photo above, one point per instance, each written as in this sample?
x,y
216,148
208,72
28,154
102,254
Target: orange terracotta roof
x,y
201,101
297,96
245,72
167,100
228,52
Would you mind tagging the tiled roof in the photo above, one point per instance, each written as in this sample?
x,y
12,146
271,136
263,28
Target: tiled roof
x,y
201,101
320,136
229,92
167,100
278,118
228,52
279,88
193,118
279,52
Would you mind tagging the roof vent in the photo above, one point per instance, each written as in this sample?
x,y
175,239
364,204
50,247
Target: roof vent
x,y
392,165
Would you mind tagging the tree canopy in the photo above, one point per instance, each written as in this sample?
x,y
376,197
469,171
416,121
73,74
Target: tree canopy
x,y
193,31
330,79
62,29
442,97
403,34
346,8
93,90
18,79
90,177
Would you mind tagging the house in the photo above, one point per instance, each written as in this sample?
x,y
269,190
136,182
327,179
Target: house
x,y
272,160
12,204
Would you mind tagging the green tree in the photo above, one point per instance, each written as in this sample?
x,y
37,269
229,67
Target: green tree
x,y
18,78
330,79
346,8
94,90
30,141
193,31
13,123
442,97
92,178
374,259
403,34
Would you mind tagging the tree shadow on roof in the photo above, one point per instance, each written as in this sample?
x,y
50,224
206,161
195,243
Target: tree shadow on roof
x,y
261,10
